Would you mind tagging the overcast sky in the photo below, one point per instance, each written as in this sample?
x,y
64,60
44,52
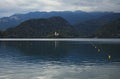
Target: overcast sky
x,y
9,7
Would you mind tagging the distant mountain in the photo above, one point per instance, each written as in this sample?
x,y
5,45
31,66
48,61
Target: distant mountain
x,y
42,28
90,26
71,17
109,30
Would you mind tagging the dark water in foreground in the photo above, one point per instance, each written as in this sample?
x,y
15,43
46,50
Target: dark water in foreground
x,y
59,60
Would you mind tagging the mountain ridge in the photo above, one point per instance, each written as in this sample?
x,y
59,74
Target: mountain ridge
x,y
71,17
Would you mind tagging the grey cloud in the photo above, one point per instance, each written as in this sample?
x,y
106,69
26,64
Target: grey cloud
x,y
95,5
8,7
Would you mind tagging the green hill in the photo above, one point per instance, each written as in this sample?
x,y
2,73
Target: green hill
x,y
42,28
89,27
109,30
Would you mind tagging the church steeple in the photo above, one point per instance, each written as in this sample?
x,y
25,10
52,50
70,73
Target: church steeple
x,y
56,34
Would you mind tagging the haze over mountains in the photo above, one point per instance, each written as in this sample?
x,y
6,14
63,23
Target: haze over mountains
x,y
66,23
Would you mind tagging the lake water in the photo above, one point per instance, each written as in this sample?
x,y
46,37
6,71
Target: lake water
x,y
59,60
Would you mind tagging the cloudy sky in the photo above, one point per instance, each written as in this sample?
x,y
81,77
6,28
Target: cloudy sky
x,y
9,7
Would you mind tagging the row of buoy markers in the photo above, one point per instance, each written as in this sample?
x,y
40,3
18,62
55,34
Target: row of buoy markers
x,y
96,48
109,56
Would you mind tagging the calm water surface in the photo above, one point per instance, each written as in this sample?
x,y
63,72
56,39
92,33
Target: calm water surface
x,y
59,60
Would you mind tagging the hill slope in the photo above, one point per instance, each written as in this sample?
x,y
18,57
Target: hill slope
x,y
110,30
41,28
90,26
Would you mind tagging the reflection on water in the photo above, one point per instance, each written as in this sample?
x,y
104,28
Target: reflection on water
x,y
59,60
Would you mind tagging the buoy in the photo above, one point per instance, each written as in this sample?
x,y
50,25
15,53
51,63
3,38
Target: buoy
x,y
109,56
98,50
